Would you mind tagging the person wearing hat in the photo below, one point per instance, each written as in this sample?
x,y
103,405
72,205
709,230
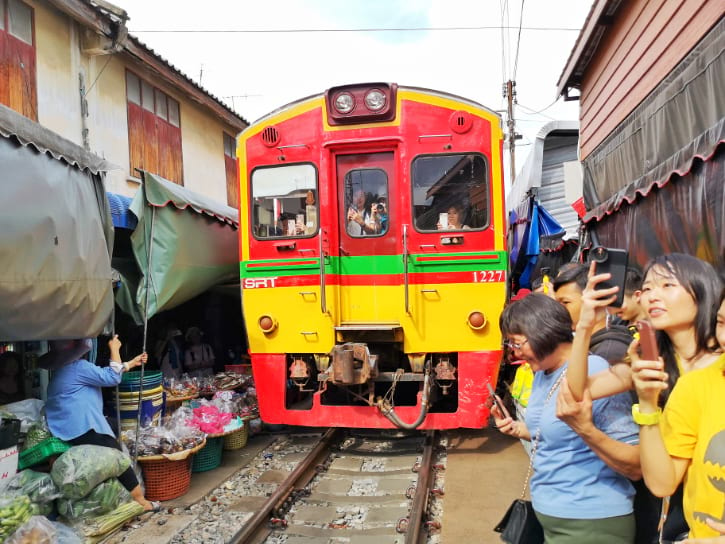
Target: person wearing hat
x,y
74,408
200,358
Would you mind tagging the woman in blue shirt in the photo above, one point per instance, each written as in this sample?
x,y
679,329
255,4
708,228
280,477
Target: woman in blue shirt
x,y
75,402
577,497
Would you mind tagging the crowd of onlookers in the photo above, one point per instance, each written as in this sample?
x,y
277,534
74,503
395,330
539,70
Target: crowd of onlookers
x,y
616,418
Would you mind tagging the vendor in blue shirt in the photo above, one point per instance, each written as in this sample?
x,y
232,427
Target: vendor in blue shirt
x,y
74,408
576,490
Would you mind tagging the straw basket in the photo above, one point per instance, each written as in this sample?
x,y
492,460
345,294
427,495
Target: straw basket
x,y
167,479
237,439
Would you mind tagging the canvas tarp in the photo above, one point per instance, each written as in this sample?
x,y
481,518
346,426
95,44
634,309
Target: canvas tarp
x,y
55,236
184,244
680,122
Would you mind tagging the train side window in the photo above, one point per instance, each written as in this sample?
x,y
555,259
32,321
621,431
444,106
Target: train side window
x,y
366,202
450,192
284,201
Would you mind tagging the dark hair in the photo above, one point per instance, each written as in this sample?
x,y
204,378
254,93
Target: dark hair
x,y
632,280
702,282
545,323
572,274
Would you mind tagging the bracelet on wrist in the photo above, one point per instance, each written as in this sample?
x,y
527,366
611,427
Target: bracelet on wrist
x,y
651,418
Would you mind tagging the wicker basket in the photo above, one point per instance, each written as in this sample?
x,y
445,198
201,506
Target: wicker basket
x,y
166,480
237,439
210,456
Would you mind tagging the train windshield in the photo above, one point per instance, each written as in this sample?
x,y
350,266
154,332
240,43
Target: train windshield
x,y
284,201
450,192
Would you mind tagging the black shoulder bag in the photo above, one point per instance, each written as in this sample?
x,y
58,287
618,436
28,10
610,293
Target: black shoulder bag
x,y
519,524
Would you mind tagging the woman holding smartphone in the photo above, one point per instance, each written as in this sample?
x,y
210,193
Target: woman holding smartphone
x,y
577,497
679,294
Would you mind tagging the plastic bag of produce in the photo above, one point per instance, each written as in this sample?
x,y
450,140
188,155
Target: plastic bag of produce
x,y
65,534
37,530
14,511
27,411
39,486
82,468
37,433
103,499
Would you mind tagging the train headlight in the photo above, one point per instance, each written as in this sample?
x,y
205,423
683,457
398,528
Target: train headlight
x,y
476,320
267,324
375,100
344,103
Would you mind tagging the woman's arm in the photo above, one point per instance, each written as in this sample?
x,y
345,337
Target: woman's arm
x,y
662,472
593,309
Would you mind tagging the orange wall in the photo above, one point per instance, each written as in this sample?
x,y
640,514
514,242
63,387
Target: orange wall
x,y
647,40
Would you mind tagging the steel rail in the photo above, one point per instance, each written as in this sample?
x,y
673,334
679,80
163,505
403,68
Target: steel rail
x,y
255,523
422,491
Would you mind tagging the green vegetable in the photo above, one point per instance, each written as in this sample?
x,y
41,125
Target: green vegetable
x,y
101,500
82,468
100,526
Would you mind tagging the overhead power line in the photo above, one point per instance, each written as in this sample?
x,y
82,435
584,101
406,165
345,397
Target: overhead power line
x,y
518,40
312,30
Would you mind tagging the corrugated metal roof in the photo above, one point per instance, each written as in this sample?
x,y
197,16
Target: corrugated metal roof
x,y
168,64
30,133
110,21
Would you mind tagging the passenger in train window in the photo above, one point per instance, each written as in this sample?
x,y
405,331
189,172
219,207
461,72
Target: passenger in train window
x,y
454,219
360,220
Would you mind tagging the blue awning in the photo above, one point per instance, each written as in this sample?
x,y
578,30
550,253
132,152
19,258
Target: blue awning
x,y
120,215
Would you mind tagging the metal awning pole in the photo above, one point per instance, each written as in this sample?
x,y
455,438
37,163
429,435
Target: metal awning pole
x,y
149,252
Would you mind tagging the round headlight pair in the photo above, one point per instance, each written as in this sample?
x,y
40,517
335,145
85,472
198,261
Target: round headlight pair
x,y
374,101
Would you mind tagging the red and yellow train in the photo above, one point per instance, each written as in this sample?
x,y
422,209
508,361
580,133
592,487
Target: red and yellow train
x,y
373,258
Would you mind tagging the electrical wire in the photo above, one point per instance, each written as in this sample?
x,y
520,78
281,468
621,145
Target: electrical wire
x,y
312,30
518,40
532,112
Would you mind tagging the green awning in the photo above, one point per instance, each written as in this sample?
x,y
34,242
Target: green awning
x,y
184,244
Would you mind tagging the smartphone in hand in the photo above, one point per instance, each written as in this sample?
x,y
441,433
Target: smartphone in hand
x,y
497,401
647,341
614,262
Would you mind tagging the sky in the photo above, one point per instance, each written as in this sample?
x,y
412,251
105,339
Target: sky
x,y
259,55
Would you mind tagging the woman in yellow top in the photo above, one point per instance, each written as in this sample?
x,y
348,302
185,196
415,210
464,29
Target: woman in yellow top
x,y
688,441
679,295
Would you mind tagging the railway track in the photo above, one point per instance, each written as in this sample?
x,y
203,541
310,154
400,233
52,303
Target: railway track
x,y
352,488
338,486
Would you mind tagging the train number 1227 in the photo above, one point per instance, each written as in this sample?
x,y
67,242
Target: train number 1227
x,y
489,276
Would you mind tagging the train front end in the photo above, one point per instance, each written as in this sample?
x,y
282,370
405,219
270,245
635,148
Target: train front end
x,y
373,263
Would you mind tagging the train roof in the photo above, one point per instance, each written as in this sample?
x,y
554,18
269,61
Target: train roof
x,y
425,90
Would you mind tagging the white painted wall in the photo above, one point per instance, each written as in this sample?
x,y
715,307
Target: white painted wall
x,y
60,59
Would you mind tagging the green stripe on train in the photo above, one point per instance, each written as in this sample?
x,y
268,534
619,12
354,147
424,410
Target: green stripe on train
x,y
376,264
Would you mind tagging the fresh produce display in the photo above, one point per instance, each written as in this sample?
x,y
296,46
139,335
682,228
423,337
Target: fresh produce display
x,y
102,500
39,486
172,437
229,380
14,511
209,419
37,530
95,529
37,433
82,468
182,387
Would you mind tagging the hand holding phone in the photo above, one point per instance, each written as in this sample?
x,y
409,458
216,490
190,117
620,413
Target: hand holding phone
x,y
647,341
612,261
497,401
